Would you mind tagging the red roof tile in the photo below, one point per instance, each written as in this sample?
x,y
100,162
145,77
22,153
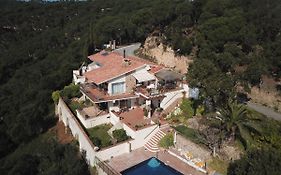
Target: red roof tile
x,y
112,66
134,118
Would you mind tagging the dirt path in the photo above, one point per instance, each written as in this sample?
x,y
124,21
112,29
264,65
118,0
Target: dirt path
x,y
265,110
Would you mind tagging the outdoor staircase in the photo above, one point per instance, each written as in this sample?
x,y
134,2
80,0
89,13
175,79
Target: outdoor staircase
x,y
152,144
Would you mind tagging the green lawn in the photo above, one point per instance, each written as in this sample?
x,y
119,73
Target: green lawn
x,y
99,135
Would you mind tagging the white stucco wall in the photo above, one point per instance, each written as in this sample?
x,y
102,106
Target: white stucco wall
x,y
137,143
114,119
121,79
92,122
85,144
111,107
170,98
77,79
129,131
114,151
145,131
69,120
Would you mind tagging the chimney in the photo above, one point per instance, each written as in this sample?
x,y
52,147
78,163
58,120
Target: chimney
x,y
126,62
114,45
110,44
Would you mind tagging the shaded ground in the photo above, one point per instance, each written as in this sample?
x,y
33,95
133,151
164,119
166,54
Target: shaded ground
x,y
59,130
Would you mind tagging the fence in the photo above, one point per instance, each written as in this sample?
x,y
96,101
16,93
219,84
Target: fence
x,y
105,167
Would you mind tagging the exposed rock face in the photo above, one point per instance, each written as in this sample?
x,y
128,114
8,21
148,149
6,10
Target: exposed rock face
x,y
155,49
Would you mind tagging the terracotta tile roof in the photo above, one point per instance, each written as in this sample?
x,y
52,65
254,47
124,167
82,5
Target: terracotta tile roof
x,y
134,118
112,66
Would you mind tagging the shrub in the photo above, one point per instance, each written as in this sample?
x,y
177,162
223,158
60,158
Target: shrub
x,y
56,96
120,135
167,141
96,141
73,105
71,91
186,108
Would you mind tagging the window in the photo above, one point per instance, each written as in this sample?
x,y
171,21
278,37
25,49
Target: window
x,y
118,88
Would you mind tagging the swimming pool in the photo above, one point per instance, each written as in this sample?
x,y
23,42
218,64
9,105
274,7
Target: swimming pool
x,y
152,166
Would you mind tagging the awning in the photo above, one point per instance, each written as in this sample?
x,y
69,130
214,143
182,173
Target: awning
x,y
144,76
168,75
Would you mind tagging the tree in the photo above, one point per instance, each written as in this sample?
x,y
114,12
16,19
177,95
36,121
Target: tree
x,y
25,165
257,162
213,83
238,122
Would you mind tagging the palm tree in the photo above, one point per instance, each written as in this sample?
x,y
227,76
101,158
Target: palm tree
x,y
237,120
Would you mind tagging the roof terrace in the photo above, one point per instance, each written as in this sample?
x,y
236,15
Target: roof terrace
x,y
98,95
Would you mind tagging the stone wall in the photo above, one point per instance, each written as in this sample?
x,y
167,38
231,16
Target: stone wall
x,y
130,83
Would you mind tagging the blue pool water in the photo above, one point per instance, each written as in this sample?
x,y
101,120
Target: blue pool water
x,y
152,166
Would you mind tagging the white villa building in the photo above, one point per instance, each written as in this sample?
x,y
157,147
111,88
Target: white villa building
x,y
128,92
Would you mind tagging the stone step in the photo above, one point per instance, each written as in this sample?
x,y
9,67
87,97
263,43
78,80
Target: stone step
x,y
152,144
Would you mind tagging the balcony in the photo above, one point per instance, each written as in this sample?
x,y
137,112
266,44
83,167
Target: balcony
x,y
99,95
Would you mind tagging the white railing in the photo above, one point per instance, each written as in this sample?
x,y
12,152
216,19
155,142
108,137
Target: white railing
x,y
190,163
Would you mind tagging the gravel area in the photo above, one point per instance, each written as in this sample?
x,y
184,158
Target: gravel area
x,y
183,145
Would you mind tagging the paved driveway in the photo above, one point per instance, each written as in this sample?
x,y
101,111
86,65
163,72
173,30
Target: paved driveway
x,y
265,110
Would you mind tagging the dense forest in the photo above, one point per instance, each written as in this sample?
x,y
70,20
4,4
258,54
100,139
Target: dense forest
x,y
41,43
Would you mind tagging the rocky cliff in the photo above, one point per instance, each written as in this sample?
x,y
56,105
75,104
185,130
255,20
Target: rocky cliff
x,y
155,50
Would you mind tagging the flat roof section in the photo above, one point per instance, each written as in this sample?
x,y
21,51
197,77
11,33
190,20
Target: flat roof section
x,y
91,112
98,96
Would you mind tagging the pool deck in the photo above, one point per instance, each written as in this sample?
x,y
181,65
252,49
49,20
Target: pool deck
x,y
125,161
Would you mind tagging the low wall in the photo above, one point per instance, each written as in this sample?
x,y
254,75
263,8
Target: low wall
x,y
113,151
85,144
69,120
170,98
145,131
135,144
114,119
92,122
129,131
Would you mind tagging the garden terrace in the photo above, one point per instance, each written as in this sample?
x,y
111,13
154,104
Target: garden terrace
x,y
99,135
